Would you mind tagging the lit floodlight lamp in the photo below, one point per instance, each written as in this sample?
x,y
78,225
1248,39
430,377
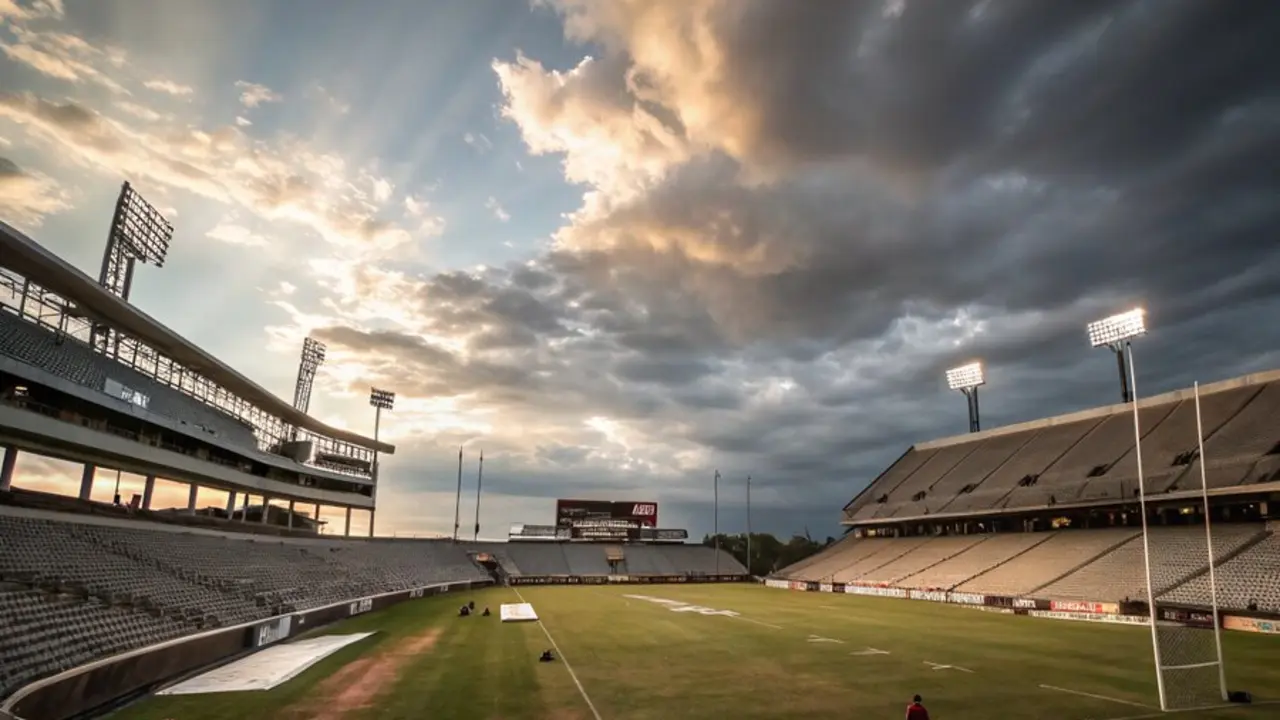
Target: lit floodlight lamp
x,y
966,376
967,379
1113,330
382,399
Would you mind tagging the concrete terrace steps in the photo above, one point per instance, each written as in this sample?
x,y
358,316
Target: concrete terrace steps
x,y
978,547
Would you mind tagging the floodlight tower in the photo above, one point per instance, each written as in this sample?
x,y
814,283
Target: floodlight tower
x,y
1115,332
380,400
138,233
312,358
967,379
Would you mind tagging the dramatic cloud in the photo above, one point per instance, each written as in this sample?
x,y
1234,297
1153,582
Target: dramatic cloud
x,y
793,217
252,94
285,181
26,198
169,87
64,57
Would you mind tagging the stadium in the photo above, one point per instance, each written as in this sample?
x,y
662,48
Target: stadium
x,y
1110,587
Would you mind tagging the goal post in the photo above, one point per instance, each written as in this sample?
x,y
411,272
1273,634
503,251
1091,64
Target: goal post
x,y
1190,672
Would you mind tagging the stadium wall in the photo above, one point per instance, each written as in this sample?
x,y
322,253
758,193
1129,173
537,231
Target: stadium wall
x,y
1131,613
108,681
621,579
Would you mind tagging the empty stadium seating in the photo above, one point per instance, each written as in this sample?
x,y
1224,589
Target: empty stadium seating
x,y
925,556
993,551
73,589
1251,577
1085,458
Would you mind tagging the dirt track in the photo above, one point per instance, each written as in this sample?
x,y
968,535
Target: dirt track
x,y
358,683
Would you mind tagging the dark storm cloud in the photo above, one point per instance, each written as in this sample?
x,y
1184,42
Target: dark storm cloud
x,y
883,196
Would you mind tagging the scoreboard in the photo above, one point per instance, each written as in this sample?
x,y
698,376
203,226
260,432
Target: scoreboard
x,y
606,514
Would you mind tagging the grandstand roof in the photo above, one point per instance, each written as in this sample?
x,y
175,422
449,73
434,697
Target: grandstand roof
x,y
977,474
24,255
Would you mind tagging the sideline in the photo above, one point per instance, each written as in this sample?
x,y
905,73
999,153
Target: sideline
x,y
594,712
1224,706
1099,697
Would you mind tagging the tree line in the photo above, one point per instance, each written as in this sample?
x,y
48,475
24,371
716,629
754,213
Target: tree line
x,y
768,553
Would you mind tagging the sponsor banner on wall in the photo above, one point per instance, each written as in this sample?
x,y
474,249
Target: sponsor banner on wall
x,y
875,591
992,609
1248,624
932,595
1089,617
1193,618
778,584
621,579
1080,606
824,587
799,585
272,631
967,598
837,587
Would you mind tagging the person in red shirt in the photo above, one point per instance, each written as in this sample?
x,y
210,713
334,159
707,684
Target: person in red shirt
x,y
916,711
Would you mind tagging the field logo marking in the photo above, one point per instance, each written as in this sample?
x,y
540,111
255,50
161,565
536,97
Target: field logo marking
x,y
678,606
939,666
870,651
1097,697
573,675
820,639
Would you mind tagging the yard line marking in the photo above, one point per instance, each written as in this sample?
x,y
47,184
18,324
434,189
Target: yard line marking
x,y
870,651
938,666
753,620
1081,693
594,712
1225,706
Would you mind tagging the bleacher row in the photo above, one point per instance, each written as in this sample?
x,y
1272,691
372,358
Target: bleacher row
x,y
70,359
1082,460
573,559
1073,564
72,591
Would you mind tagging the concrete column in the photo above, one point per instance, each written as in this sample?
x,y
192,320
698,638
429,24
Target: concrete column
x,y
191,499
86,481
371,513
316,518
6,468
265,504
231,504
148,490
244,511
290,514
346,530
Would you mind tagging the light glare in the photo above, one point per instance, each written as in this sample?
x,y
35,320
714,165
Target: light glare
x,y
966,376
1117,328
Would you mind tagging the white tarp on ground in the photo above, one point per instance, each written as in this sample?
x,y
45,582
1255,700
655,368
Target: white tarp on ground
x,y
266,669
517,612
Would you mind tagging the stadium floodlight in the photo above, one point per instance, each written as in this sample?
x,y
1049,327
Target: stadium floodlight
x,y
381,399
312,352
1115,332
139,233
967,379
312,358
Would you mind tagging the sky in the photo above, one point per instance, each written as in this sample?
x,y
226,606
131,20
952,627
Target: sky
x,y
620,245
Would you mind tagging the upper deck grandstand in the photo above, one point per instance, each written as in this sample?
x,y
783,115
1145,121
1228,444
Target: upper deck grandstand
x,y
86,376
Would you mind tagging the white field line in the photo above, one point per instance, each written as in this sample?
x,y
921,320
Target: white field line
x,y
940,666
1224,706
594,712
753,620
1097,697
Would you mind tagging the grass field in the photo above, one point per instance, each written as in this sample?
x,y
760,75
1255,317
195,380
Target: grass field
x,y
638,659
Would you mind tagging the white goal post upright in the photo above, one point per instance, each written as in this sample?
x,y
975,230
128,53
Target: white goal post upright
x,y
1146,537
1208,537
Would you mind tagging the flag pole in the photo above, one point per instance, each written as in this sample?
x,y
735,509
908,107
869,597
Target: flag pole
x,y
715,488
479,484
457,503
